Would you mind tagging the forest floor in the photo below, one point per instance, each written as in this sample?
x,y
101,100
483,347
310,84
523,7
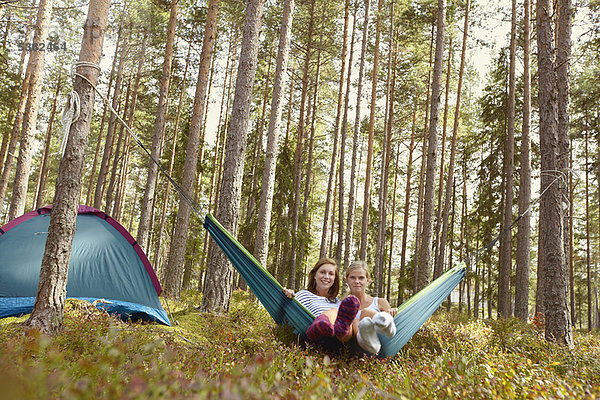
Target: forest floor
x,y
244,355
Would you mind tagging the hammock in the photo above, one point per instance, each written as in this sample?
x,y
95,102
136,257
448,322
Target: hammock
x,y
411,315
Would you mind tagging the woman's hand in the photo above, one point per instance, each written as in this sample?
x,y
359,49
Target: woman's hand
x,y
289,293
394,311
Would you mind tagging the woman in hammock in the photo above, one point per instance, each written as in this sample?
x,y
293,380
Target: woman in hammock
x,y
375,314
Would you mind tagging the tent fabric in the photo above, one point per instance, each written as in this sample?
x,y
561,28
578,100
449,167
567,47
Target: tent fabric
x,y
411,315
106,263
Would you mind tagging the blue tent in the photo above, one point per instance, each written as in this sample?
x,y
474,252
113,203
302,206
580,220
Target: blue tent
x,y
106,263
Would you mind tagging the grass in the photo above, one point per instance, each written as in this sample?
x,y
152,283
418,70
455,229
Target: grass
x,y
244,355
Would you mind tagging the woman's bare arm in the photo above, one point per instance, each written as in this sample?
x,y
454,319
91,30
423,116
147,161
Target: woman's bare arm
x,y
384,305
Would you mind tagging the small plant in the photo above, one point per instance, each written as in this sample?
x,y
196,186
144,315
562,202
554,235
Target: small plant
x,y
243,354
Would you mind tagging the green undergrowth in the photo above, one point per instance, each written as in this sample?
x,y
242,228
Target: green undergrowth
x,y
244,355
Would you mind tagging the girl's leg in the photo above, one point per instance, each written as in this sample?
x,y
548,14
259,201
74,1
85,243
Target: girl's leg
x,y
345,317
365,313
367,336
322,325
384,324
331,315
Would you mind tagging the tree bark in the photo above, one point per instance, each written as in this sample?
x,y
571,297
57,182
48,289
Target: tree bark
x,y
380,246
9,142
364,237
302,251
44,164
120,198
48,311
424,268
159,128
524,224
334,152
553,262
112,120
298,156
505,253
268,178
176,262
91,184
419,228
438,261
355,141
119,154
36,59
343,140
407,191
588,262
453,145
217,287
158,249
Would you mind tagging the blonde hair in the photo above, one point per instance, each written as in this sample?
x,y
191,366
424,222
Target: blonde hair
x,y
358,264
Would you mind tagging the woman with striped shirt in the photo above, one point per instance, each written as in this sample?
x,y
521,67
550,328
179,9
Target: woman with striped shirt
x,y
333,317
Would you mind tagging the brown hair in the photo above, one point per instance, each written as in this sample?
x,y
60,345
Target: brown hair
x,y
312,284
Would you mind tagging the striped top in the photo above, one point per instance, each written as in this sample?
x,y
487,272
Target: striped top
x,y
314,303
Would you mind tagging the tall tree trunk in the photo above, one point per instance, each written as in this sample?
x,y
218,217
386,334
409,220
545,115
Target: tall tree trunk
x,y
222,140
419,228
298,156
163,215
268,179
553,262
48,310
588,263
453,145
9,142
571,240
505,253
174,268
464,244
120,197
355,141
36,59
364,237
217,287
393,225
91,182
424,268
257,144
380,245
112,124
438,261
308,184
524,224
409,169
451,251
118,156
343,139
40,190
563,63
159,128
336,135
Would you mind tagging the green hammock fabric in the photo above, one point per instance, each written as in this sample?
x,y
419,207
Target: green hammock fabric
x,y
411,315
